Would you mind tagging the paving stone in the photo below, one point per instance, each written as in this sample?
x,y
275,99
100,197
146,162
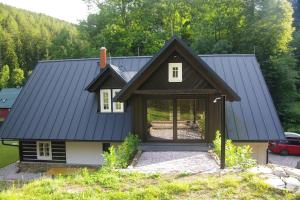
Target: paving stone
x,y
260,170
275,182
292,183
279,171
176,162
289,161
293,172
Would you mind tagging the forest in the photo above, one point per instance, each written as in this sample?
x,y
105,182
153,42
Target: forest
x,y
270,29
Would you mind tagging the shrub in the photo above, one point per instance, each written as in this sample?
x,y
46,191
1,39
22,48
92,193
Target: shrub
x,y
120,156
235,156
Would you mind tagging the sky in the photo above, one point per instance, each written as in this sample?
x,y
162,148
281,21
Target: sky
x,y
68,10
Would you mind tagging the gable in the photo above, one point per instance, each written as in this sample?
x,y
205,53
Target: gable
x,y
106,79
191,79
111,82
197,63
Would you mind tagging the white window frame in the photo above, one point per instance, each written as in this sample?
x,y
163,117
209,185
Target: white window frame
x,y
39,157
104,110
171,68
115,109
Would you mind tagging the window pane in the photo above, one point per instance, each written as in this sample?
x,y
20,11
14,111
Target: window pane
x,y
118,106
191,119
175,72
106,100
41,149
160,119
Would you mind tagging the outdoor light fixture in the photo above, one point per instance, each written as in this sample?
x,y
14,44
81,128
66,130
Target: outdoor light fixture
x,y
216,99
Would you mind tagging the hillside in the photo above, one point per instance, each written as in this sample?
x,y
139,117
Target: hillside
x,y
26,37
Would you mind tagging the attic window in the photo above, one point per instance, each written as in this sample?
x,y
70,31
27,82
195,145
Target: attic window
x,y
175,72
44,151
105,100
117,106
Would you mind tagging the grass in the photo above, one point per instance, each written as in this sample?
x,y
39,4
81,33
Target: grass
x,y
8,154
107,184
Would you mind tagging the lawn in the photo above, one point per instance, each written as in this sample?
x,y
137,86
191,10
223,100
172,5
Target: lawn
x,y
8,154
107,184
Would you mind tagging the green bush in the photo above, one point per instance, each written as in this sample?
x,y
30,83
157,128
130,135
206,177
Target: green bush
x,y
235,156
119,157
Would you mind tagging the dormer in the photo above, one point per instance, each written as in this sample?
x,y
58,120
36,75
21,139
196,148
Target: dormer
x,y
106,86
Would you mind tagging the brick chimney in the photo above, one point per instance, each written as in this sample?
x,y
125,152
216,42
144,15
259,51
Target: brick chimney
x,y
102,62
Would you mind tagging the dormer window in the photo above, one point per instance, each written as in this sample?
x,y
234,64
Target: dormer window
x,y
117,106
175,72
105,100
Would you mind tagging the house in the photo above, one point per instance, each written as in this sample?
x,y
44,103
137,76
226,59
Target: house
x,y
70,111
7,99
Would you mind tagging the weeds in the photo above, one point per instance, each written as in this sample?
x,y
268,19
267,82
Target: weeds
x,y
236,156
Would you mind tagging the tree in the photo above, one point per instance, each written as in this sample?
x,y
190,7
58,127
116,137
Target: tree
x,y
4,76
17,77
282,76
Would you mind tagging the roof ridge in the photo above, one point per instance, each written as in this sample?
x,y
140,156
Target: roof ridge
x,y
129,57
82,59
223,55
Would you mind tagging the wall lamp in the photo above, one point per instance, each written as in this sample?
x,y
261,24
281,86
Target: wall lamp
x,y
216,99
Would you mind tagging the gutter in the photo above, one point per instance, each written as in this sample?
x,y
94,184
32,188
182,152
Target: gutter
x,y
6,144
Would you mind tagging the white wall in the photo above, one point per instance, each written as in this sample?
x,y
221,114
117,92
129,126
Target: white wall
x,y
85,153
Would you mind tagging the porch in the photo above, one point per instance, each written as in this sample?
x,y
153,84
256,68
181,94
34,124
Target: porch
x,y
167,146
179,122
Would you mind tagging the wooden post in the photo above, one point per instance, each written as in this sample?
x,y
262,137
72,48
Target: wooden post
x,y
223,134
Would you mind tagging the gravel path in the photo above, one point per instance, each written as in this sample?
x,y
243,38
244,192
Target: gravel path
x,y
290,161
10,173
176,162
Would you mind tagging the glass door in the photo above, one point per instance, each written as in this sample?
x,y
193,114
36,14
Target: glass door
x,y
190,119
160,119
176,119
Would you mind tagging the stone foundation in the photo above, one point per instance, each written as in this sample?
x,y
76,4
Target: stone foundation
x,y
40,167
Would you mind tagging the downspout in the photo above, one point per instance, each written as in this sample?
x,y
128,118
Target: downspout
x,y
223,134
6,144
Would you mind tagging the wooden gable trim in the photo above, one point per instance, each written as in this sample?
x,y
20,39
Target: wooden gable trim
x,y
102,77
197,63
189,91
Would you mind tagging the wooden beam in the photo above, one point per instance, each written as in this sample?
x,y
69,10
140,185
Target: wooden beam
x,y
188,91
223,134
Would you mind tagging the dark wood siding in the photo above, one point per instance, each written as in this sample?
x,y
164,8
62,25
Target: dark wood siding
x,y
112,82
28,151
138,116
214,117
191,79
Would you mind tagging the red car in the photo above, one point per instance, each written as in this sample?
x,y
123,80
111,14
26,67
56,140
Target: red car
x,y
290,146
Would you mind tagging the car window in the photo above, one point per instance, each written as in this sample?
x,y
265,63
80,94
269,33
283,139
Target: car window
x,y
294,142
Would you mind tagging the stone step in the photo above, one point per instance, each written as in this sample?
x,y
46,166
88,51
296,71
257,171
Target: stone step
x,y
165,146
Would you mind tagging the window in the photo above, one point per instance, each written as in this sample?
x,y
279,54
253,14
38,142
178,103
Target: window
x,y
117,106
105,147
44,151
175,72
105,100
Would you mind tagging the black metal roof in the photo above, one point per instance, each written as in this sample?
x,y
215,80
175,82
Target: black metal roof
x,y
54,104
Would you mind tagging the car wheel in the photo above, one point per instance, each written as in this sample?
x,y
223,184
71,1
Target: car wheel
x,y
284,152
